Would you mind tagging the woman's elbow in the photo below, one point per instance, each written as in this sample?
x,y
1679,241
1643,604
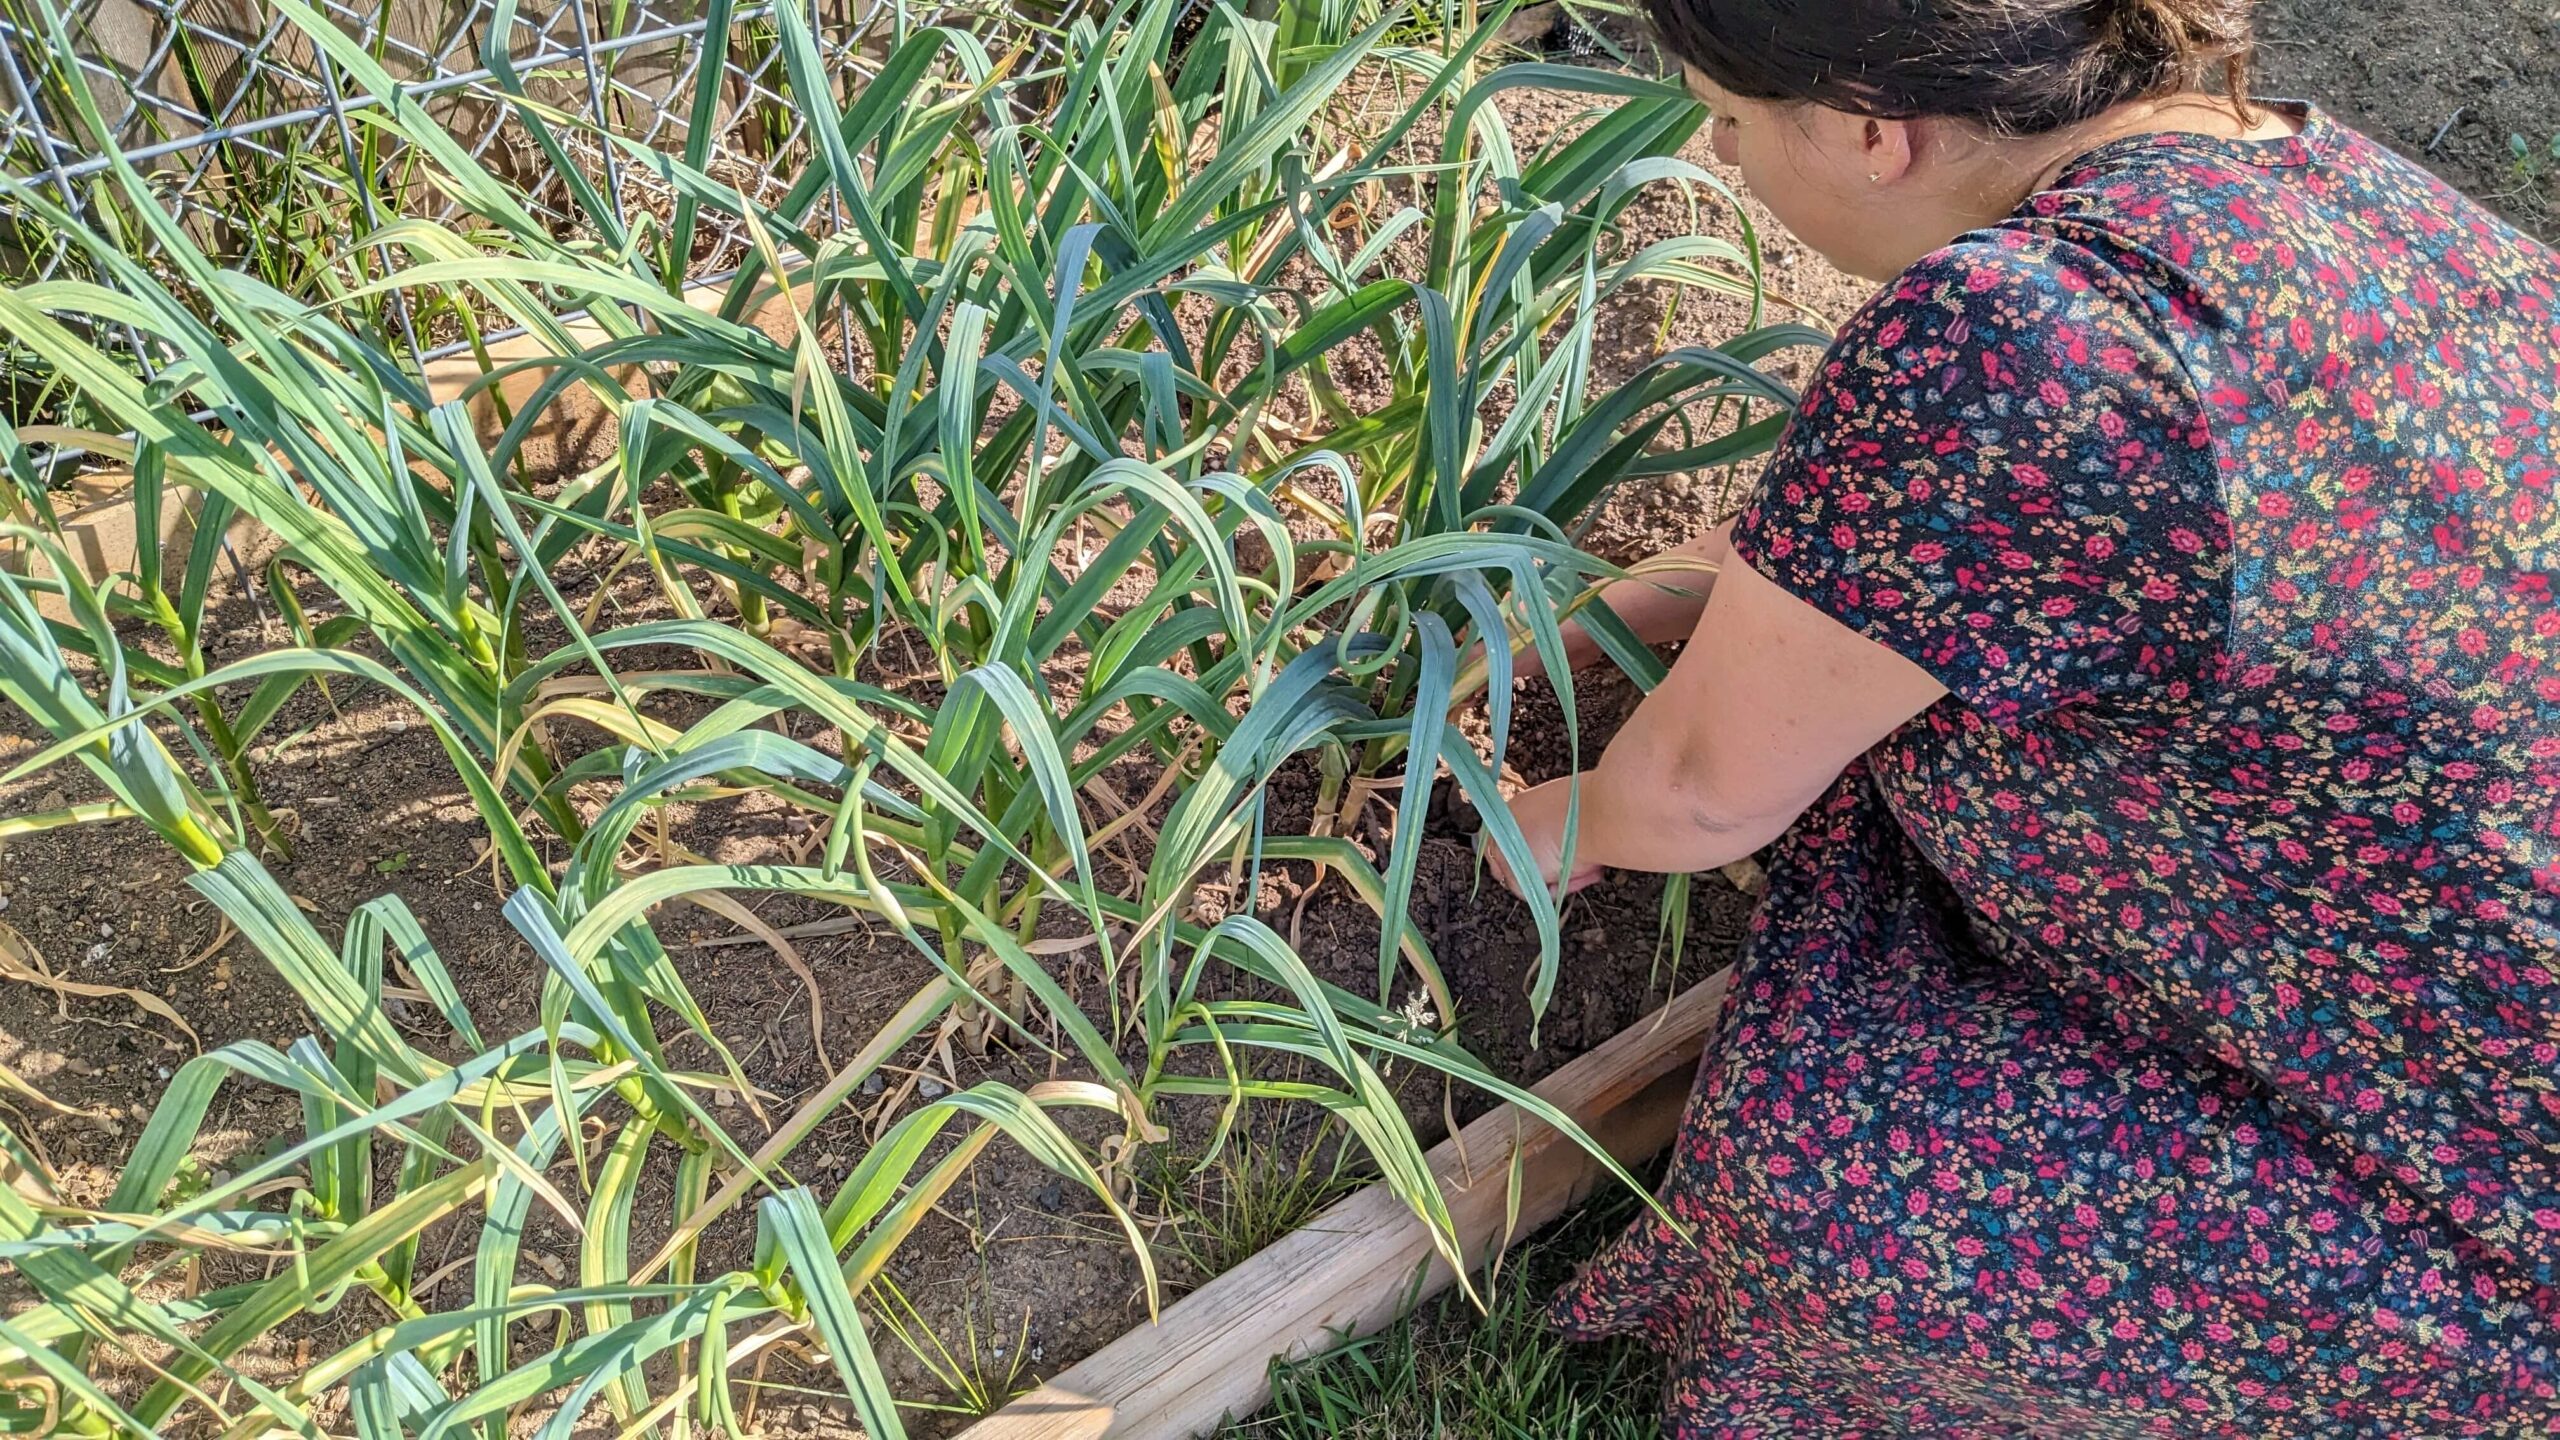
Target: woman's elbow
x,y
1705,825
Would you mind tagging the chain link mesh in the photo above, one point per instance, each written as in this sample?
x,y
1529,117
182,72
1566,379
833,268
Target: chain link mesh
x,y
262,150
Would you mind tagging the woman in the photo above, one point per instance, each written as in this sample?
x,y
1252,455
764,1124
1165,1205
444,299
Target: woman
x,y
2142,649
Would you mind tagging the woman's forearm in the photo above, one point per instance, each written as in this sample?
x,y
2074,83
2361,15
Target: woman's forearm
x,y
1663,603
1771,700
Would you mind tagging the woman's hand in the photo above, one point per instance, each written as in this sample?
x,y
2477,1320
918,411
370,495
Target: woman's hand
x,y
1540,810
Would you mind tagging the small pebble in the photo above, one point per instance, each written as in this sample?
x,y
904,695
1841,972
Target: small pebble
x,y
106,931
395,727
97,952
929,1088
872,1084
4,902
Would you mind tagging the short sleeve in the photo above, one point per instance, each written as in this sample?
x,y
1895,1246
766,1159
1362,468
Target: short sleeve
x,y
2002,472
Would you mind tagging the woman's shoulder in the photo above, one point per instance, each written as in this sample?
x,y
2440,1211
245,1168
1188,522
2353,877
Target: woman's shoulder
x,y
2008,309
2002,475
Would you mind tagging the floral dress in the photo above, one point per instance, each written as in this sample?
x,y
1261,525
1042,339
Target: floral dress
x,y
2161,1034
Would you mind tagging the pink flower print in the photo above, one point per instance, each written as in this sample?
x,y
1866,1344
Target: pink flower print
x,y
2233,814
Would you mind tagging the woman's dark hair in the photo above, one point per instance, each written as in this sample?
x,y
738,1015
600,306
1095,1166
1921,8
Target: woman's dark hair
x,y
2015,67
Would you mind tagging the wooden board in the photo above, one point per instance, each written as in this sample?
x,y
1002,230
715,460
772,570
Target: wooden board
x,y
1349,1271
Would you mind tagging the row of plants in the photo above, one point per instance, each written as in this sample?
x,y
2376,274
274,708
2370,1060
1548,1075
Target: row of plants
x,y
1053,404
297,204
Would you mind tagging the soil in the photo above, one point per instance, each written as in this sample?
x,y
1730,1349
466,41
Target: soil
x,y
2450,84
1030,1268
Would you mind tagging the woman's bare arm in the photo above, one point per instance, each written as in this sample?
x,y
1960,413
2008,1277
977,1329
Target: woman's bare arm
x,y
1660,603
1771,700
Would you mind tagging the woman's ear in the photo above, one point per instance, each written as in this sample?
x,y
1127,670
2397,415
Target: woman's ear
x,y
1886,149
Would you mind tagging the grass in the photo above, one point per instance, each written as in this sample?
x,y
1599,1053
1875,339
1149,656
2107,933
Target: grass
x,y
1011,414
2528,163
1450,1371
1281,1169
987,1366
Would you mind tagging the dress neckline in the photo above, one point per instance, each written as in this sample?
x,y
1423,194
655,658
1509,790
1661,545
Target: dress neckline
x,y
2303,147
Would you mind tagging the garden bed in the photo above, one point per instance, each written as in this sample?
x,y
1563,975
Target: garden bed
x,y
377,810
1507,1176
1015,1273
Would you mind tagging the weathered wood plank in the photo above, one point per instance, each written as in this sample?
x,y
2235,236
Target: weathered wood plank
x,y
1348,1271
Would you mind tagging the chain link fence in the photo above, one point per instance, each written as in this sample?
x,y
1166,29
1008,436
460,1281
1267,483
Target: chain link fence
x,y
261,149
263,152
